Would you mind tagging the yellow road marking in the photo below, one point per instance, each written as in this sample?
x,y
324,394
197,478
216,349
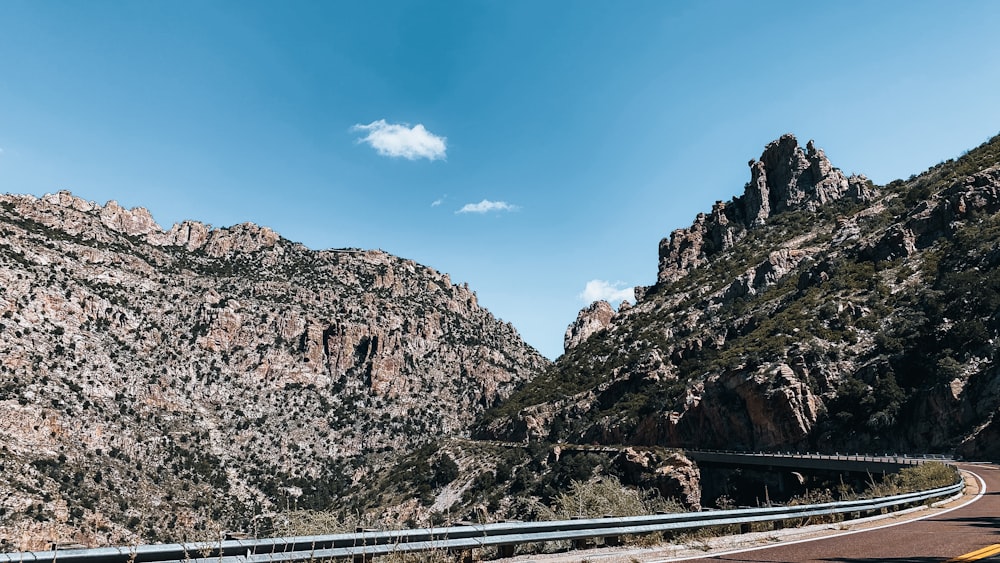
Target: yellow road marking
x,y
977,555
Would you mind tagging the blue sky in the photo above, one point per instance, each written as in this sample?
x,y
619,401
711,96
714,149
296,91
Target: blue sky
x,y
578,133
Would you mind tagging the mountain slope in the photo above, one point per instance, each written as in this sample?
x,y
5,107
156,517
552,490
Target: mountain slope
x,y
160,385
814,311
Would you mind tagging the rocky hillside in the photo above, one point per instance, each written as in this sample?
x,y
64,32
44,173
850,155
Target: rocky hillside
x,y
161,385
814,311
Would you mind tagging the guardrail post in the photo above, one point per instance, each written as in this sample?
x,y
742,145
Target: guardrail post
x,y
506,550
580,543
463,554
362,557
611,541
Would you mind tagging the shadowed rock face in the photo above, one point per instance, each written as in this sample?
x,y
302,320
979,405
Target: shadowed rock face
x,y
985,444
156,384
813,311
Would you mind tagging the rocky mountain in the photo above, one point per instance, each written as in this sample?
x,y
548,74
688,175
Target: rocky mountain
x,y
170,384
815,311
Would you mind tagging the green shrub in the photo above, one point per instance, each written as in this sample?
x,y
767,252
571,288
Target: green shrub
x,y
923,477
607,496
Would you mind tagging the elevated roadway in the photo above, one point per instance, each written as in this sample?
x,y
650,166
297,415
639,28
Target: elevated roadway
x,y
836,462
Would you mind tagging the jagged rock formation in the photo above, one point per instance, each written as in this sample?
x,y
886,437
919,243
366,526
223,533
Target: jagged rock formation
x,y
786,178
593,318
814,311
163,384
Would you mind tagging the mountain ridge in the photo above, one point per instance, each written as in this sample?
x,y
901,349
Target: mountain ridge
x,y
227,374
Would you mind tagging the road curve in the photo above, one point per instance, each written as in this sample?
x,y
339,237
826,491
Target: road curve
x,y
952,535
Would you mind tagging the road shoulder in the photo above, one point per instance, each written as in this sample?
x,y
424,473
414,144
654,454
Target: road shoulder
x,y
698,548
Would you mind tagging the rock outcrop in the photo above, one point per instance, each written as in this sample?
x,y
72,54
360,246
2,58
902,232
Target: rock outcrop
x,y
669,473
596,317
690,248
778,265
984,444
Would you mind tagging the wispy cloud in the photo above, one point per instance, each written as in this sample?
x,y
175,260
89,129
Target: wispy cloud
x,y
437,202
400,140
487,206
597,290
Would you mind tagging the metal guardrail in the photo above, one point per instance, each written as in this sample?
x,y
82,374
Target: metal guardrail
x,y
837,462
905,459
365,545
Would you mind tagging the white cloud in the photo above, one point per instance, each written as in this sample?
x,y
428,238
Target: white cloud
x,y
486,206
597,290
437,202
401,140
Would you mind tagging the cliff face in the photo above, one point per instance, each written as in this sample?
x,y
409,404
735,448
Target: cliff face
x,y
813,311
162,384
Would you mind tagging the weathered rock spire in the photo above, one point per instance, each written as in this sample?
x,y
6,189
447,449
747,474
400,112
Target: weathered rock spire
x,y
785,178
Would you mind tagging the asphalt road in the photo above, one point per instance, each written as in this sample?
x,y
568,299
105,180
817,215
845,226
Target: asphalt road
x,y
969,533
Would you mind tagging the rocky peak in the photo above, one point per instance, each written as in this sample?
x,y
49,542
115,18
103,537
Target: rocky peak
x,y
77,216
132,222
833,327
64,198
592,319
192,235
785,178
